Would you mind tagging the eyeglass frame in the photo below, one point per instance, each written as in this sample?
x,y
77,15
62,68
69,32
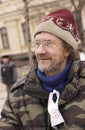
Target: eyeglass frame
x,y
46,44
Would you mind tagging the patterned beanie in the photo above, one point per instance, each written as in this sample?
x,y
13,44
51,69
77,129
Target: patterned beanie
x,y
61,23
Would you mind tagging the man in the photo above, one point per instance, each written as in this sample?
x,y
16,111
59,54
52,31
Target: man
x,y
52,96
8,71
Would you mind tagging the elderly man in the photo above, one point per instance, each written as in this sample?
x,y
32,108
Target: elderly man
x,y
52,96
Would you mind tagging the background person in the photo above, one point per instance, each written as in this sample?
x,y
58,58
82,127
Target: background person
x,y
52,96
8,71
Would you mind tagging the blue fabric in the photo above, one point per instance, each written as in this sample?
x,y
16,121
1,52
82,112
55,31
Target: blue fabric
x,y
54,82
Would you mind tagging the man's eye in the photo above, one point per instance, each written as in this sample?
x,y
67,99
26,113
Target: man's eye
x,y
37,43
49,43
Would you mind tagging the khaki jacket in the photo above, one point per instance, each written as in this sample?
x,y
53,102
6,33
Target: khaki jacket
x,y
26,105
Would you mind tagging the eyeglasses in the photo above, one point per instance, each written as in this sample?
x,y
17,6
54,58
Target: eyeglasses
x,y
46,44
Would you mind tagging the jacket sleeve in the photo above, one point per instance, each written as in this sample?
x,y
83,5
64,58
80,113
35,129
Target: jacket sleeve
x,y
82,73
9,120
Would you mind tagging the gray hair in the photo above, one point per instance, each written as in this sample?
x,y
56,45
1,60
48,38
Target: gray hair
x,y
73,53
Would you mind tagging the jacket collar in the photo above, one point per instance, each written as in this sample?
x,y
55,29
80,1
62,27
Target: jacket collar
x,y
33,85
73,85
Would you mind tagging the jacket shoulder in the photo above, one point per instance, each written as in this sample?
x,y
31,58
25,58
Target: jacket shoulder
x,y
19,83
80,68
81,65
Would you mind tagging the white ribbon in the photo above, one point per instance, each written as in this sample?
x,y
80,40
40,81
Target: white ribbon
x,y
53,109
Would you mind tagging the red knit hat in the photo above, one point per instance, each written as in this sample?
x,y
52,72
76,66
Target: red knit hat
x,y
62,24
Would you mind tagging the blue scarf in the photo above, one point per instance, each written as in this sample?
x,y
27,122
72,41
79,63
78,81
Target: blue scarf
x,y
54,82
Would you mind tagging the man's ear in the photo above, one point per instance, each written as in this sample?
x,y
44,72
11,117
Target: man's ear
x,y
67,52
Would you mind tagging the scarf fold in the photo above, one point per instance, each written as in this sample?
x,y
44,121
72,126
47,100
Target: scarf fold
x,y
56,82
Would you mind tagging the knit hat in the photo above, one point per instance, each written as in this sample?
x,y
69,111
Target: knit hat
x,y
61,23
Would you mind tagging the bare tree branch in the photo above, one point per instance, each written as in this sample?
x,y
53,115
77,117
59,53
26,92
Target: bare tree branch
x,y
83,2
80,6
73,3
26,15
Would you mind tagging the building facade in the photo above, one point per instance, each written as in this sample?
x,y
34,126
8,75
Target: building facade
x,y
11,28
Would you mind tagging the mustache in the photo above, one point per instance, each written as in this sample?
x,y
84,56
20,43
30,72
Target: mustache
x,y
43,57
